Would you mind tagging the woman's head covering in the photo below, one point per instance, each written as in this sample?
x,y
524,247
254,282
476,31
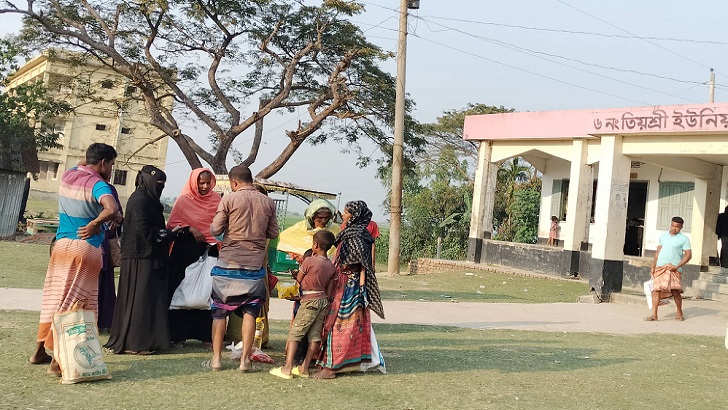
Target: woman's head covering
x,y
147,180
316,206
194,209
355,247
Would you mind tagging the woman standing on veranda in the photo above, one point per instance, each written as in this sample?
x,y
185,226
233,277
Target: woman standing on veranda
x,y
348,343
141,323
193,212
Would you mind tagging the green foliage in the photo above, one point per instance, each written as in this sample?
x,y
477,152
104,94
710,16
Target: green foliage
x,y
524,212
517,202
215,57
382,246
438,192
437,206
24,112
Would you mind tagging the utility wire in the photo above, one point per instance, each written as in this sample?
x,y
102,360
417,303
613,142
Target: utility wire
x,y
636,36
536,54
553,30
528,71
605,67
585,33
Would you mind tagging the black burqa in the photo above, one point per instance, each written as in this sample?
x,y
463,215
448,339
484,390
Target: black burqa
x,y
355,247
721,229
140,318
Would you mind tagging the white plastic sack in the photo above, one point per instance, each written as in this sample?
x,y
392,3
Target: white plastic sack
x,y
649,285
648,292
195,290
256,355
726,338
76,346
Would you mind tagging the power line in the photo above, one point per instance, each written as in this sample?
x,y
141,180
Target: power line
x,y
586,33
505,44
624,70
636,36
529,71
535,54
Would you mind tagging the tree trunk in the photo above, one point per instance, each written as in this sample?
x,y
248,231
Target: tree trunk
x,y
279,162
188,152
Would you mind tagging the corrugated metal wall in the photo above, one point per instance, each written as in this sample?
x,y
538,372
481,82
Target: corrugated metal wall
x,y
11,198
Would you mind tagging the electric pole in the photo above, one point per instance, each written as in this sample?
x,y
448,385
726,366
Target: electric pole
x,y
395,207
711,93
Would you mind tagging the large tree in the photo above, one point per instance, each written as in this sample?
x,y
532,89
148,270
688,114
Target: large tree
x,y
229,64
448,131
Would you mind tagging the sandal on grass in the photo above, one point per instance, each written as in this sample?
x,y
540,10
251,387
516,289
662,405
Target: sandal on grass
x,y
208,365
42,359
277,371
296,373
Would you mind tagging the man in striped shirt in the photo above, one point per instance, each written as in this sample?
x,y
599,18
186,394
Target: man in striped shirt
x,y
85,203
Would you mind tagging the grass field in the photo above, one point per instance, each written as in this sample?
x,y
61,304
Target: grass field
x,y
480,287
25,267
428,368
48,208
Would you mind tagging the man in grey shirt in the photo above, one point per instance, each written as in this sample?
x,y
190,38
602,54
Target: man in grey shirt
x,y
247,219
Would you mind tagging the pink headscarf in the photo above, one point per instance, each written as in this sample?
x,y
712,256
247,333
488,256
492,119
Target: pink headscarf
x,y
193,209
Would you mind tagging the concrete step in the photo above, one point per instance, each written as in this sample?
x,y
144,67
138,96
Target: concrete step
x,y
712,278
709,295
710,286
628,299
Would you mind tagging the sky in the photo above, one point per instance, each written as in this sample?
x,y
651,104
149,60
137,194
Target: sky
x,y
531,55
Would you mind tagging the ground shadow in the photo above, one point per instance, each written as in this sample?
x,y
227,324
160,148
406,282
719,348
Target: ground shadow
x,y
440,296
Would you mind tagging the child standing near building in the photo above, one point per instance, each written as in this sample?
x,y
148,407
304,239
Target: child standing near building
x,y
554,231
316,277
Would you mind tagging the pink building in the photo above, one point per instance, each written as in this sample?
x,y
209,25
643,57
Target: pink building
x,y
602,169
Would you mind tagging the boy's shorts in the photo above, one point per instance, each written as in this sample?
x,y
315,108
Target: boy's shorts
x,y
252,310
309,321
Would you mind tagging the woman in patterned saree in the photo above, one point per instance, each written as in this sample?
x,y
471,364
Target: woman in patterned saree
x,y
348,343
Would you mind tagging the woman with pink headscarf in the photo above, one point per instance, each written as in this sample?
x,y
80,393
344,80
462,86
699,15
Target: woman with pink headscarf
x,y
193,211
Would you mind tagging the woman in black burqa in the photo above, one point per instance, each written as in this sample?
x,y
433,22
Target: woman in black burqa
x,y
140,324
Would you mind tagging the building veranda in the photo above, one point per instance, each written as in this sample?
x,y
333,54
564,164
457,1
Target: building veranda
x,y
614,178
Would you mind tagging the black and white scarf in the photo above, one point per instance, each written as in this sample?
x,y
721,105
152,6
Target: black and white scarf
x,y
356,247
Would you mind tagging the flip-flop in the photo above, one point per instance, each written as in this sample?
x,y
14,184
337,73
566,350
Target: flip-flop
x,y
276,371
252,369
208,365
296,373
44,360
681,318
650,319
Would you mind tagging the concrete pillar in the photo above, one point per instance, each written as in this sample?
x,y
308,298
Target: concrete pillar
x,y
481,216
580,187
706,206
606,269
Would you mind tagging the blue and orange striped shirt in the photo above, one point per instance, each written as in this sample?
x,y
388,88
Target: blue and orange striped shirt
x,y
79,202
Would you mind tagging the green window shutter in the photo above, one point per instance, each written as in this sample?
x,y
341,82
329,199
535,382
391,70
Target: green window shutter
x,y
556,199
675,199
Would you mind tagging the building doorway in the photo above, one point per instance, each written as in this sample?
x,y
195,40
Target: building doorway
x,y
636,205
